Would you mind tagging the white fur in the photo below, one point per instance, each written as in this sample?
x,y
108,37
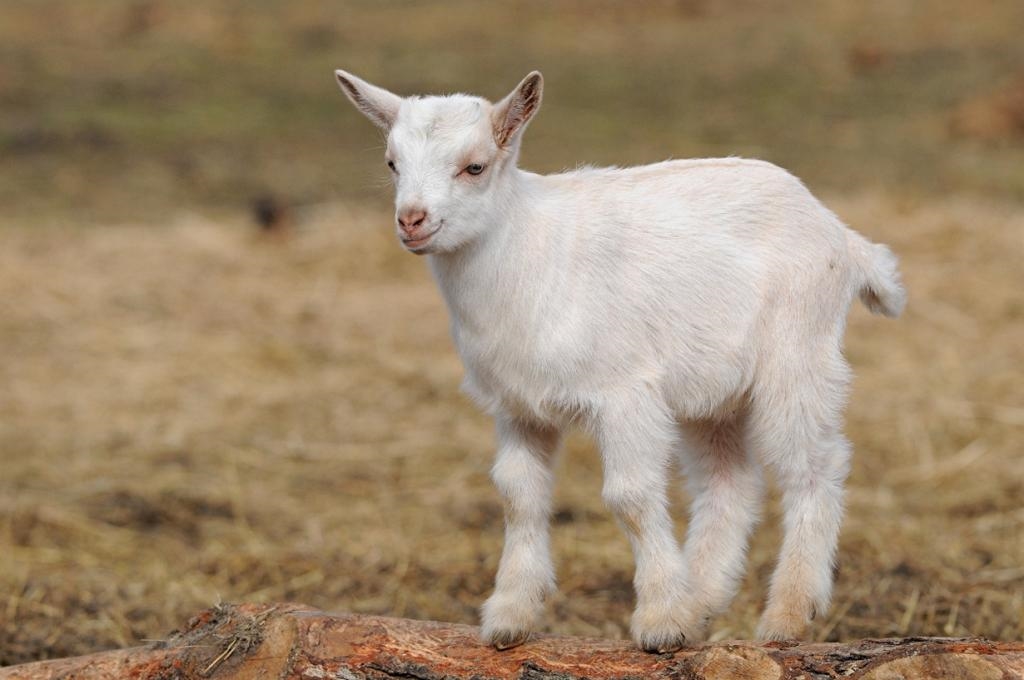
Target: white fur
x,y
685,312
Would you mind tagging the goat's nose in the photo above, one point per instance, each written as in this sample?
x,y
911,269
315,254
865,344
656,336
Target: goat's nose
x,y
411,218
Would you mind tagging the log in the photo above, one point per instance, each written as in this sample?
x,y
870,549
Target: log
x,y
294,642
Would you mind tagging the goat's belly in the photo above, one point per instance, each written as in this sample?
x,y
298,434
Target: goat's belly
x,y
708,390
690,392
697,372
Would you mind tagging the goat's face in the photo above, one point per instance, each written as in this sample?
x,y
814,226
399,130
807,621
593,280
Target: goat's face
x,y
450,158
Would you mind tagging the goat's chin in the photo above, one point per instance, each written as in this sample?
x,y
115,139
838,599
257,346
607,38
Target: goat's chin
x,y
435,246
431,247
423,246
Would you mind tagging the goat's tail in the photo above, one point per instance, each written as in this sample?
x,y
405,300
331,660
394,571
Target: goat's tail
x,y
880,288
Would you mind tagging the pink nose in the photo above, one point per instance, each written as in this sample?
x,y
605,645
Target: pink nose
x,y
412,219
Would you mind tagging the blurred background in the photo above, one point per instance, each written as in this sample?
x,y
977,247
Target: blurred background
x,y
222,379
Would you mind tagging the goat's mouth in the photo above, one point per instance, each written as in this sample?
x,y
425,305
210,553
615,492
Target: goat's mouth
x,y
418,244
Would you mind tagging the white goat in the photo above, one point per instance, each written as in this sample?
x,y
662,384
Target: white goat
x,y
688,310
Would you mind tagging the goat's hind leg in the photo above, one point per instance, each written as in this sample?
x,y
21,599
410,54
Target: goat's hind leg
x,y
797,432
522,474
726,487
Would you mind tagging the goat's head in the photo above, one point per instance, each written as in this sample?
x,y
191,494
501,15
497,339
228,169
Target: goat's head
x,y
450,157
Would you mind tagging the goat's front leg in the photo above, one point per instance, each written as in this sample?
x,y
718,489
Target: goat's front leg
x,y
636,440
522,474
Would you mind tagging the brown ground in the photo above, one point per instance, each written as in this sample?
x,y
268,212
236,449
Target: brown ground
x,y
194,414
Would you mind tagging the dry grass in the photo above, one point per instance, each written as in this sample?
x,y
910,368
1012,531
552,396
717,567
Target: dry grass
x,y
192,414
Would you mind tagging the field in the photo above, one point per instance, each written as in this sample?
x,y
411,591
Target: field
x,y
194,410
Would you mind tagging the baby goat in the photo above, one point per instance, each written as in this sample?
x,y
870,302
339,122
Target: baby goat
x,y
687,311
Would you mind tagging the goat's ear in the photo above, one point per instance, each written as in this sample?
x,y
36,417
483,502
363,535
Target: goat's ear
x,y
512,113
376,103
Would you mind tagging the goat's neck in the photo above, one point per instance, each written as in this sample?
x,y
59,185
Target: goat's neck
x,y
485,275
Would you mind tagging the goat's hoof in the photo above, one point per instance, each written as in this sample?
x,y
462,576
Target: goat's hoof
x,y
662,644
782,626
775,636
665,626
507,619
507,639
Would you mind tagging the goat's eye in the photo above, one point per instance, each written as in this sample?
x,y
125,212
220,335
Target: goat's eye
x,y
391,165
474,168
